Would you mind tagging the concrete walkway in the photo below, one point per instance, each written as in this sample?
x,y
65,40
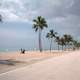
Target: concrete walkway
x,y
66,67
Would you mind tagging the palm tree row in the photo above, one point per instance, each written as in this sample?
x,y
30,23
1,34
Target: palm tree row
x,y
66,40
61,41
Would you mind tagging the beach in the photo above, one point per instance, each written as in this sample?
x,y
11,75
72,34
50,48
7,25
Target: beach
x,y
12,60
65,66
39,40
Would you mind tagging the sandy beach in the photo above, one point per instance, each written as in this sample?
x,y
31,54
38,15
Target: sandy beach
x,y
60,67
13,60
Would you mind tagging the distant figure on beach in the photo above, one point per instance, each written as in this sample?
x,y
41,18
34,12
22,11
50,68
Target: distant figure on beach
x,y
22,51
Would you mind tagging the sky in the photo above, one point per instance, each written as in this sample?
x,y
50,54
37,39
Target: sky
x,y
63,16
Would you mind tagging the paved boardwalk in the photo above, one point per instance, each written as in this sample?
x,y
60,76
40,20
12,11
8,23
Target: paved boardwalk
x,y
66,67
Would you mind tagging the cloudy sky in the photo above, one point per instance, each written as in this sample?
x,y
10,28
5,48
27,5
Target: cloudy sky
x,y
16,30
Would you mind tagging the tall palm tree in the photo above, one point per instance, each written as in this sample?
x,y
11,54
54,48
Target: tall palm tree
x,y
39,24
50,35
58,41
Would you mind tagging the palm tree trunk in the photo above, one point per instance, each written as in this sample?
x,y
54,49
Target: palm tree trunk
x,y
62,47
65,46
51,45
58,46
68,46
40,43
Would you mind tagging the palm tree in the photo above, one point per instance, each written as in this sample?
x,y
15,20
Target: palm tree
x,y
68,39
65,36
50,35
58,41
62,42
39,24
76,44
0,18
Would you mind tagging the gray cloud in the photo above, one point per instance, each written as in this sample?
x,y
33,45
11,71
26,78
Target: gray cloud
x,y
75,8
64,13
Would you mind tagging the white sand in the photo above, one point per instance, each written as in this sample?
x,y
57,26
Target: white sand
x,y
66,67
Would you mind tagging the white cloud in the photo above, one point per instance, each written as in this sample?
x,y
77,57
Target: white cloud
x,y
13,10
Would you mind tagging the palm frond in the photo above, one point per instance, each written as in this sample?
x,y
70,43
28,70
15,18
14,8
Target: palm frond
x,y
0,18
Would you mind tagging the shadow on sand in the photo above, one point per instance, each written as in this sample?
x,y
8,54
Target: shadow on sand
x,y
8,62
